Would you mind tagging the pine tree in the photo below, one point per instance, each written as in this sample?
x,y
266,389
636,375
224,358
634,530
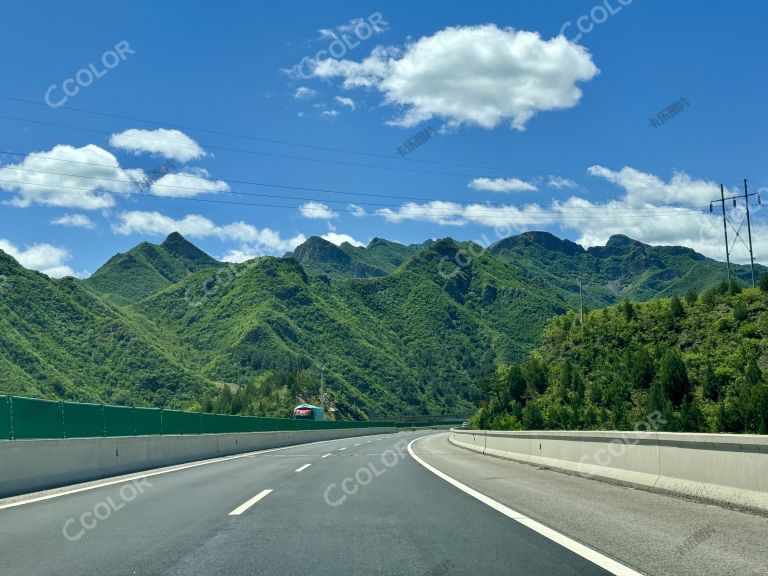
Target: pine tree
x,y
673,378
676,307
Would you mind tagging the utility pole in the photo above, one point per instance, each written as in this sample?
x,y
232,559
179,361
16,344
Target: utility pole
x,y
749,233
322,384
581,304
725,231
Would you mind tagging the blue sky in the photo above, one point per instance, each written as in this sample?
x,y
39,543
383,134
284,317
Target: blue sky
x,y
278,121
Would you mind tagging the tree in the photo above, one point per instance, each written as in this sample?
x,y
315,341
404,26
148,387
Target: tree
x,y
627,309
676,307
764,282
714,384
752,372
535,374
673,378
532,417
740,312
691,297
640,368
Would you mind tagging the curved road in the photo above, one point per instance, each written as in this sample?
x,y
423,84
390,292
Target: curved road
x,y
354,506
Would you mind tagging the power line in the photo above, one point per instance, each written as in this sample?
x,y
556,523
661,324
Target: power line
x,y
542,215
477,206
254,138
246,182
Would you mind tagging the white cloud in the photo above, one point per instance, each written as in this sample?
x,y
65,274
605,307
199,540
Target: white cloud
x,y
357,211
329,113
74,221
475,75
255,241
436,211
304,93
502,185
648,209
155,223
559,182
68,177
263,242
643,188
339,239
187,184
317,210
348,102
45,258
455,214
171,144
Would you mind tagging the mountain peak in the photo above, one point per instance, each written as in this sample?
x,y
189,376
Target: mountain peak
x,y
539,239
622,241
131,276
174,238
319,249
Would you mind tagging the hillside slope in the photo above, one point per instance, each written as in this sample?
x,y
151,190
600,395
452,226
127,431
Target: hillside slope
x,y
623,268
147,268
409,342
57,340
699,364
319,257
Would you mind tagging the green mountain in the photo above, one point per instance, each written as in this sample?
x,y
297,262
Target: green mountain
x,y
320,257
698,364
623,268
411,341
57,340
147,268
398,329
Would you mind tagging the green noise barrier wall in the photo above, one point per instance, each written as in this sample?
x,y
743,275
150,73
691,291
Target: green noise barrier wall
x,y
32,418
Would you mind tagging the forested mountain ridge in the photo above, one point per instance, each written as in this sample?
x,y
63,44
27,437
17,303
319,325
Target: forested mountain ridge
x,y
321,257
623,268
699,362
398,329
147,268
58,340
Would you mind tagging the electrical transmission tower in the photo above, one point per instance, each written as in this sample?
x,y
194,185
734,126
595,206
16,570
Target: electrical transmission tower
x,y
737,231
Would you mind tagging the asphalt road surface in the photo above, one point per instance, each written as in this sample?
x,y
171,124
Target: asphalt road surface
x,y
355,506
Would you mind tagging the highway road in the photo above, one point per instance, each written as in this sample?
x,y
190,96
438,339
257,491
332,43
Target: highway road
x,y
367,505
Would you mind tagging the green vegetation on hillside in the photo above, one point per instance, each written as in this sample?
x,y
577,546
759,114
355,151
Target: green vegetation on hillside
x,y
622,269
147,268
407,343
698,362
399,329
60,341
319,257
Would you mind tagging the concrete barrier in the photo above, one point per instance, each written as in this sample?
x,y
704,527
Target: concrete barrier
x,y
724,468
33,465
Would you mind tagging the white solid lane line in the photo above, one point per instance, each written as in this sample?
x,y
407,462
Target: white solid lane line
x,y
586,552
244,506
303,468
167,470
326,455
345,447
